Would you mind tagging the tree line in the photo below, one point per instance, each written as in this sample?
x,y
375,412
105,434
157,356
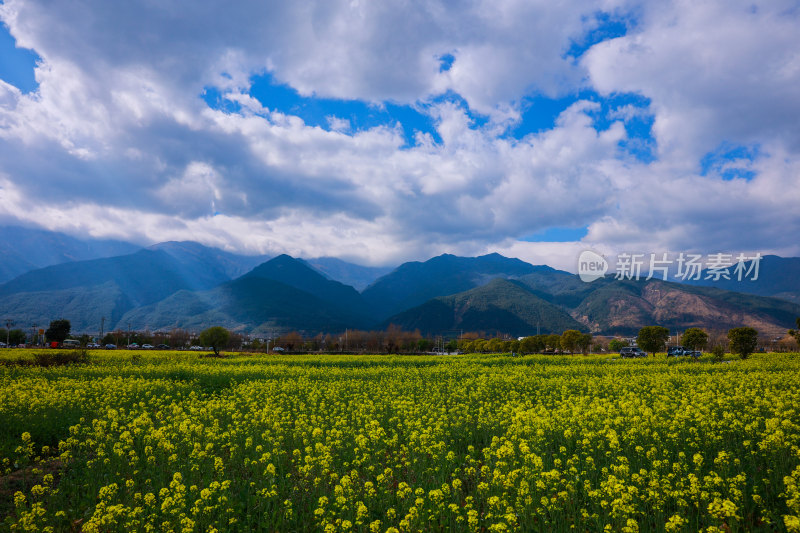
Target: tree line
x,y
741,341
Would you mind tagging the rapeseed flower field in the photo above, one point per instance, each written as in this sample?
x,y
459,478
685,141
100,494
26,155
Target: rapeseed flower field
x,y
173,442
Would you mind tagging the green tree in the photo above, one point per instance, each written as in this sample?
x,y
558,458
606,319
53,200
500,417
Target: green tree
x,y
796,333
58,330
495,345
110,338
743,341
511,346
585,342
531,344
616,345
553,341
12,337
217,337
569,340
652,338
424,345
718,351
695,338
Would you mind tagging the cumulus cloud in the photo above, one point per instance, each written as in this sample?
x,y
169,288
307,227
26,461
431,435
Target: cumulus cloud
x,y
715,71
118,142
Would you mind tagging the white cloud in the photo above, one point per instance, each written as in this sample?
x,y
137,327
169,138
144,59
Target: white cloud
x,y
715,71
338,124
117,141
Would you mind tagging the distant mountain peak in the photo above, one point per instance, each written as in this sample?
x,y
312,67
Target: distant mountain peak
x,y
414,283
285,257
284,263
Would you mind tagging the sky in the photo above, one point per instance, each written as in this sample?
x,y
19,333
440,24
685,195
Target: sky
x,y
381,132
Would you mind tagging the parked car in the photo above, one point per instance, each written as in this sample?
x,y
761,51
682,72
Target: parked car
x,y
678,351
196,348
111,346
93,346
629,351
147,346
162,347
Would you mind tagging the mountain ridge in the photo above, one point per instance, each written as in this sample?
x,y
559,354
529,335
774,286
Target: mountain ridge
x,y
416,282
501,305
25,249
185,284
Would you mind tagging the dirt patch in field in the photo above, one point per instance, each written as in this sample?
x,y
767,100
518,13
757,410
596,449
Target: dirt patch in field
x,y
23,479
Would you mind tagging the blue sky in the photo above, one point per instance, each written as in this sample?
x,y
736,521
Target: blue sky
x,y
315,111
384,132
16,64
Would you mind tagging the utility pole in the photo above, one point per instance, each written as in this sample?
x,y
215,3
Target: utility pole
x,y
102,325
33,334
129,333
9,323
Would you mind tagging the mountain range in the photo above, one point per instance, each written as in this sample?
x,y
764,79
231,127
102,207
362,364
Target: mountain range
x,y
26,249
191,286
777,276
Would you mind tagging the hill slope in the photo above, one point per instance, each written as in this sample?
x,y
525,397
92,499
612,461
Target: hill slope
x,y
414,283
77,290
251,304
26,249
616,306
279,295
778,277
82,306
145,276
501,306
223,265
296,273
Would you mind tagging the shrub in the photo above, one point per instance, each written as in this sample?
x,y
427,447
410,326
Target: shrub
x,y
743,341
59,357
718,352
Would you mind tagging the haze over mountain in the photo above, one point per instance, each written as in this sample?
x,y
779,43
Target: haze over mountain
x,y
222,264
25,249
357,276
249,304
145,276
84,291
282,293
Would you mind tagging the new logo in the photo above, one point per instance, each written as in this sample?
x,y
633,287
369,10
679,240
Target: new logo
x,y
591,266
